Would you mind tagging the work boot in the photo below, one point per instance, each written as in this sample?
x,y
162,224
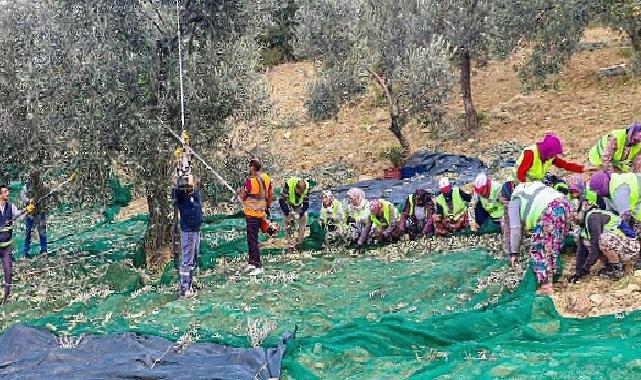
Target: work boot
x,y
616,272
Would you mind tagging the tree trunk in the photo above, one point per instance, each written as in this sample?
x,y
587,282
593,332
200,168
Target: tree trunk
x,y
397,130
158,236
466,90
635,38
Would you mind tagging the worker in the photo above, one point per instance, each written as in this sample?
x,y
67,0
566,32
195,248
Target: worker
x,y
544,212
623,196
618,151
536,160
383,224
186,198
257,196
416,218
357,213
294,202
486,207
603,236
33,193
332,217
451,209
9,213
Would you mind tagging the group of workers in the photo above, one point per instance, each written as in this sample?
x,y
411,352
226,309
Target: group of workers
x,y
603,210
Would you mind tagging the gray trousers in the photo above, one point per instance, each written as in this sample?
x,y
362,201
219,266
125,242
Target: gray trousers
x,y
190,244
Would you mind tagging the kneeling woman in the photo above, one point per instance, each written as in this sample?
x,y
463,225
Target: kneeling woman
x,y
383,223
545,213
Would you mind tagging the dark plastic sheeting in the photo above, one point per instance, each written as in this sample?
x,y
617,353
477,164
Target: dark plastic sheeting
x,y
33,353
426,167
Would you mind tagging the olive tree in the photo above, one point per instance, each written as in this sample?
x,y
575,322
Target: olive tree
x,y
391,43
106,85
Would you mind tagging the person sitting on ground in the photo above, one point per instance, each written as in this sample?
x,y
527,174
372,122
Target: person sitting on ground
x,y
417,214
332,216
536,160
544,212
383,224
485,207
186,198
451,207
603,236
294,202
357,212
623,193
618,151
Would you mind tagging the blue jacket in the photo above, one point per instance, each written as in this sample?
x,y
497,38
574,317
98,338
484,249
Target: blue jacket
x,y
191,211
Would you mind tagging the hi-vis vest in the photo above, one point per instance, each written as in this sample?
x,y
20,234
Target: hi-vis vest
x,y
538,169
611,226
255,204
535,197
634,182
292,199
621,136
6,230
457,203
591,197
387,215
337,214
360,213
493,204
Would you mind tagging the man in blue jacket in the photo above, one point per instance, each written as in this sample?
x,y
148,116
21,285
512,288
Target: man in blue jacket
x,y
187,200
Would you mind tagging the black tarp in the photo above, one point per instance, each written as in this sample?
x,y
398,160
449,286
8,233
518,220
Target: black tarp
x,y
34,353
425,168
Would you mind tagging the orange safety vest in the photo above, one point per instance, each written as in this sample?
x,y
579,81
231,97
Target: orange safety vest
x,y
255,203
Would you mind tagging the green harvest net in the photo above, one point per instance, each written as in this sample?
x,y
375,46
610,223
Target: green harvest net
x,y
423,310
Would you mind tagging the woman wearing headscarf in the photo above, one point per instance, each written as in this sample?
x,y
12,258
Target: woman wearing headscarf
x,y
451,208
623,191
485,206
332,217
544,212
536,160
357,211
618,151
416,218
383,223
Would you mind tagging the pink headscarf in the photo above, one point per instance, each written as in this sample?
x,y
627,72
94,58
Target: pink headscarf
x,y
356,194
549,147
375,206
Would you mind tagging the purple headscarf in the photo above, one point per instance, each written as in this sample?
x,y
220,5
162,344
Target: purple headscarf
x,y
550,146
634,129
600,183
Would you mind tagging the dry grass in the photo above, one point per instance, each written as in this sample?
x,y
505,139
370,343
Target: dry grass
x,y
579,111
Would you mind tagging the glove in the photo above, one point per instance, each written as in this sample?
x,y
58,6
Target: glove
x,y
301,214
268,213
178,152
627,229
185,137
31,208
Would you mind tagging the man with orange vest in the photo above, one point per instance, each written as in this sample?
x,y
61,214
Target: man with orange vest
x,y
257,197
